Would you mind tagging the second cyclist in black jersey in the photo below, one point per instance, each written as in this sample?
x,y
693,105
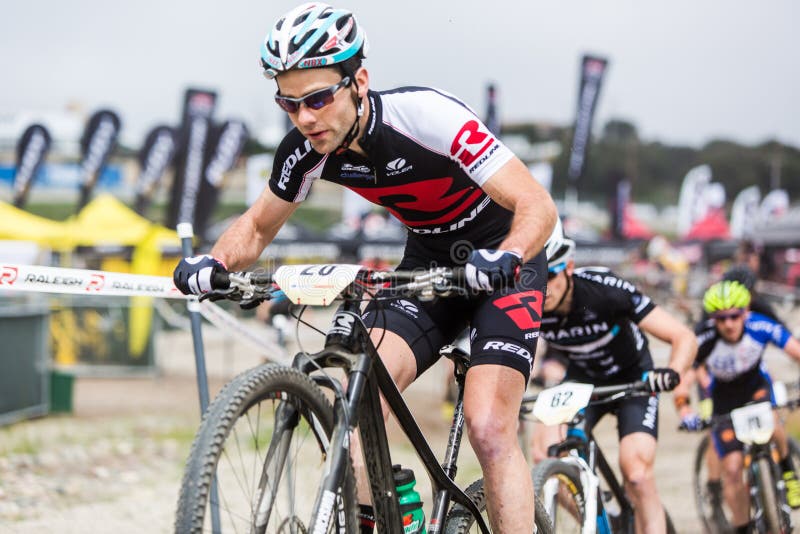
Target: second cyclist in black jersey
x,y
598,321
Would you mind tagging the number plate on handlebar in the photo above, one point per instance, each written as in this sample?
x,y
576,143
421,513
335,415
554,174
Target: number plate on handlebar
x,y
753,423
560,404
315,285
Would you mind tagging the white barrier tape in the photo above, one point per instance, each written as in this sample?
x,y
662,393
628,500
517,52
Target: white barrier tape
x,y
37,278
41,279
230,324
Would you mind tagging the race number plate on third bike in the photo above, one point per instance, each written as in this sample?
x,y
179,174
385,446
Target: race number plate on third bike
x,y
753,423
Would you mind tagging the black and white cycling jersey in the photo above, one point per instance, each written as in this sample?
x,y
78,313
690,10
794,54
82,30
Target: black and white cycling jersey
x,y
600,337
428,155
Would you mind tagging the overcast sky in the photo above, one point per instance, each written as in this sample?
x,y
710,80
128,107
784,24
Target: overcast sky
x,y
683,71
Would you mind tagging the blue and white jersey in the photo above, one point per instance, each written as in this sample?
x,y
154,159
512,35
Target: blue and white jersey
x,y
738,361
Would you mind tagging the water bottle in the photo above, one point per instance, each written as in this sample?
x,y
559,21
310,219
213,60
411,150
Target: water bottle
x,y
410,502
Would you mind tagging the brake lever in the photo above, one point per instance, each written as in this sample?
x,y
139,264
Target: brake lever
x,y
218,294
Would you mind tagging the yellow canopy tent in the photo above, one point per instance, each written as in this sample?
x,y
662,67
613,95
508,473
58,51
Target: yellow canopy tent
x,y
19,225
104,221
107,221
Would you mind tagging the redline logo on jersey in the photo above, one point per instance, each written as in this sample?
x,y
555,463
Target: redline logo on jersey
x,y
8,275
469,143
439,204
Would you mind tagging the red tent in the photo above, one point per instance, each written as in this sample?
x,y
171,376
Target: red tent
x,y
713,226
633,228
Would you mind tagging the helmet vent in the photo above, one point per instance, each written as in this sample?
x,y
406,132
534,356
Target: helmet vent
x,y
301,19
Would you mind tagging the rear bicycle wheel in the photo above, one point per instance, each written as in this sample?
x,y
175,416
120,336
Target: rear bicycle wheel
x,y
263,443
460,520
558,485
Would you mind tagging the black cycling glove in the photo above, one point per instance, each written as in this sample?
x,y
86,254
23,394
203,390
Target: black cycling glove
x,y
489,269
194,275
662,379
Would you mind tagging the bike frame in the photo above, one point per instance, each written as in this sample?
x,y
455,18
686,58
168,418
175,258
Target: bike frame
x,y
348,346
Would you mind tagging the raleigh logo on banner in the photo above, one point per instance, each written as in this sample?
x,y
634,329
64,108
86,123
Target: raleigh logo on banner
x,y
198,107
98,141
154,157
592,70
224,148
32,150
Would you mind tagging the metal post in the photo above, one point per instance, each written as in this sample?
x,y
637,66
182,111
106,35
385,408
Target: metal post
x,y
186,233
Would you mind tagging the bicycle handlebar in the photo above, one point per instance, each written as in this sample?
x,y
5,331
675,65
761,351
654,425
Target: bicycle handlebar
x,y
720,418
251,286
603,394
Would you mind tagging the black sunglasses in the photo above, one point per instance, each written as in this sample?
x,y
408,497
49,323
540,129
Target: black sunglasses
x,y
555,271
316,100
722,317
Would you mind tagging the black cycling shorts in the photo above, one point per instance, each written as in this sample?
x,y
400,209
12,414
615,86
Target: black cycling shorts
x,y
504,325
729,397
635,414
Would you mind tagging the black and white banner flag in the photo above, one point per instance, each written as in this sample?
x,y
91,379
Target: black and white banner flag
x,y
224,148
154,157
98,141
198,108
32,150
592,70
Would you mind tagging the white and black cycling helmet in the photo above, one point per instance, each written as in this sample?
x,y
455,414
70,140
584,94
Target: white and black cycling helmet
x,y
559,249
312,35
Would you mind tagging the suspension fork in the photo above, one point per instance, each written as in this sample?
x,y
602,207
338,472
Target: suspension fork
x,y
346,416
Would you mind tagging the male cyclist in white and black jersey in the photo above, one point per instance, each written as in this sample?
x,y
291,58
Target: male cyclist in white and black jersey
x,y
598,320
465,199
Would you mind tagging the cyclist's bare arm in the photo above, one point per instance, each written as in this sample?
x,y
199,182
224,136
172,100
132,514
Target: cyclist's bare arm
x,y
513,187
241,244
792,348
667,328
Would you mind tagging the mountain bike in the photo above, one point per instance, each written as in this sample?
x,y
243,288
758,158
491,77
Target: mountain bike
x,y
276,440
753,425
711,509
576,483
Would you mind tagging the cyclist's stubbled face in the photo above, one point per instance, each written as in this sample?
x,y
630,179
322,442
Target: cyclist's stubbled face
x,y
556,287
731,325
325,128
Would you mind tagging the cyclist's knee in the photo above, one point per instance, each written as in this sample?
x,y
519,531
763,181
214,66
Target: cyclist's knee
x,y
640,479
490,436
731,473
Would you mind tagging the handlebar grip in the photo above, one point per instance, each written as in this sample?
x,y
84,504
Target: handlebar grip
x,y
220,280
261,278
459,276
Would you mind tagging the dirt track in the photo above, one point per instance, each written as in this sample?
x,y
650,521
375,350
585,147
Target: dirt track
x,y
115,464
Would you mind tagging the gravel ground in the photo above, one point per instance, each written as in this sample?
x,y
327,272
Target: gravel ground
x,y
115,463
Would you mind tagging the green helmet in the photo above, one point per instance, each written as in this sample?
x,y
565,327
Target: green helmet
x,y
726,295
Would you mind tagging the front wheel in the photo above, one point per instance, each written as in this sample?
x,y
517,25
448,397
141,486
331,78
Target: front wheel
x,y
773,517
558,485
259,456
460,520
